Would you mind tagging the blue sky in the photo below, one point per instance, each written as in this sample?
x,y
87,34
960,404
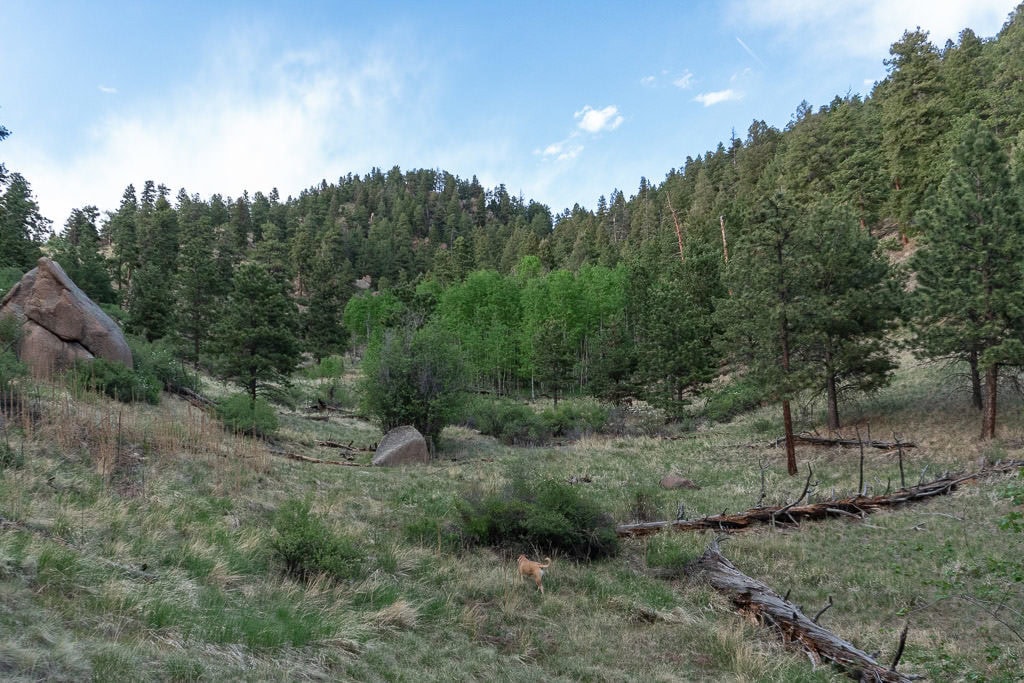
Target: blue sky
x,y
561,102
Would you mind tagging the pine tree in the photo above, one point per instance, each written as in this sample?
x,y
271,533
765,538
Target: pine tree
x,y
22,228
969,301
255,340
763,319
853,303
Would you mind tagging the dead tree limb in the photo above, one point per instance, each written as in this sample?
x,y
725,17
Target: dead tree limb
x,y
756,599
814,440
318,461
857,506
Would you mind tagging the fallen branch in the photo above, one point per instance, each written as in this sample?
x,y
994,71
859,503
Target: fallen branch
x,y
853,443
318,461
854,506
756,599
193,397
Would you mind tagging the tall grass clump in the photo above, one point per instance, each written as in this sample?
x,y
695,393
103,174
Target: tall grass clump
x,y
549,517
306,546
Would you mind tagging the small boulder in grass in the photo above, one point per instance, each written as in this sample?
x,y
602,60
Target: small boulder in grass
x,y
402,446
674,481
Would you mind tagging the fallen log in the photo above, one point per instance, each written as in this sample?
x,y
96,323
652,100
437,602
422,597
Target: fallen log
x,y
853,443
757,600
345,446
318,461
853,506
193,397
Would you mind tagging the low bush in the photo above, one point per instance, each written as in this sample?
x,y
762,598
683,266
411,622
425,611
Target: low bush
x,y
240,413
731,400
116,380
575,418
157,359
328,368
10,458
549,517
518,424
506,420
307,546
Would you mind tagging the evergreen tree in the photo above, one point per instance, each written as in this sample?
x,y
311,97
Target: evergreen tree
x,y
554,357
22,228
77,251
201,283
970,284
853,302
255,341
764,317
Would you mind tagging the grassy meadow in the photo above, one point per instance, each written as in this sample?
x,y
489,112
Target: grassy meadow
x,y
138,543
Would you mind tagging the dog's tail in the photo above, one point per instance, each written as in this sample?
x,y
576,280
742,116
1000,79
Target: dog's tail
x,y
548,560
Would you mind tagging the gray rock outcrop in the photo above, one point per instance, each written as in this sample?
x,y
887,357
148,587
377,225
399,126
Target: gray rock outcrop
x,y
400,446
60,323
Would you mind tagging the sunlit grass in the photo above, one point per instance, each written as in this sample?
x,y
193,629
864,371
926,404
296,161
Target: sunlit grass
x,y
136,543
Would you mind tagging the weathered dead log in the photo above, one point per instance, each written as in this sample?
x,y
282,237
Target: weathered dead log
x,y
193,397
852,443
854,506
757,600
345,446
305,458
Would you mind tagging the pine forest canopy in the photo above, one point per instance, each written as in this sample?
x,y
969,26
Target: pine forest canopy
x,y
766,252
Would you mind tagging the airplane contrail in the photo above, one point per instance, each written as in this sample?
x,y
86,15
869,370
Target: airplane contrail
x,y
750,52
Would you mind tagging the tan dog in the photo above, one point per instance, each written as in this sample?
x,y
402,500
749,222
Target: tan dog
x,y
533,570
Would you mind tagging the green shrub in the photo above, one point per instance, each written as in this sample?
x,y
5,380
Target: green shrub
x,y
413,377
9,276
507,420
328,368
240,413
517,424
306,546
574,418
157,359
733,399
10,458
1014,520
547,517
116,380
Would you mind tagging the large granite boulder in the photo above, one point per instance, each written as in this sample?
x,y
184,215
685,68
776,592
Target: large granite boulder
x,y
400,446
60,323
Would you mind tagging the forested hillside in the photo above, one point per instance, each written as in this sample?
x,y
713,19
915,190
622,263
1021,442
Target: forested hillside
x,y
770,256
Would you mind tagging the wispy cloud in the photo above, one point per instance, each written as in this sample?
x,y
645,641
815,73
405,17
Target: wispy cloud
x,y
597,120
709,99
867,28
254,119
107,90
684,81
648,81
562,151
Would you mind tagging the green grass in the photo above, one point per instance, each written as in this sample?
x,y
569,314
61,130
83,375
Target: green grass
x,y
175,577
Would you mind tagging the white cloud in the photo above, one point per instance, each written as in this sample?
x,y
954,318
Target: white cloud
x,y
717,97
596,120
566,150
107,90
252,121
685,81
867,28
648,80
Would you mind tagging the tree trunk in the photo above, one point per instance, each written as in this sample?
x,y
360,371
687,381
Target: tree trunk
x,y
787,424
988,427
830,390
972,361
